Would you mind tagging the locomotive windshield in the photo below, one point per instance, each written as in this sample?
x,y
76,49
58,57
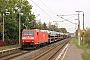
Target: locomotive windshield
x,y
28,33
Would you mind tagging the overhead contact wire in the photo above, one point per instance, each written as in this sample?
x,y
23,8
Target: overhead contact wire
x,y
48,8
41,9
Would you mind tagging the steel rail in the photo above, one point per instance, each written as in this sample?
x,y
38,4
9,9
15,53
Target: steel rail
x,y
38,57
57,51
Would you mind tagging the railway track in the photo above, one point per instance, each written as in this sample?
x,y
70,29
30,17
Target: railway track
x,y
43,53
9,50
46,52
13,55
51,52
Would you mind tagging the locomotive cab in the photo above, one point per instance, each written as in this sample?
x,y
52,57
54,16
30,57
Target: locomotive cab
x,y
28,38
33,38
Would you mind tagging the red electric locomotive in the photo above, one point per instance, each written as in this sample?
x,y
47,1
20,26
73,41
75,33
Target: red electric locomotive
x,y
33,38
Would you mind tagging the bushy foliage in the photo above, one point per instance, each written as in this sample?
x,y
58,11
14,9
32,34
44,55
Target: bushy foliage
x,y
11,21
87,36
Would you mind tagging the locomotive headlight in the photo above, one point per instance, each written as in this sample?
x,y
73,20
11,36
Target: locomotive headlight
x,y
23,38
32,40
32,37
23,41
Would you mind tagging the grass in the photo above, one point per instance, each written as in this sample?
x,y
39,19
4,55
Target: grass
x,y
75,41
85,54
8,47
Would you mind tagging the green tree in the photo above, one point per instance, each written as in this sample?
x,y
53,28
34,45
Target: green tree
x,y
44,26
12,19
63,30
49,26
39,25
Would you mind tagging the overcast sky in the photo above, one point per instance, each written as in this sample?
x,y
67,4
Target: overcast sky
x,y
49,9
